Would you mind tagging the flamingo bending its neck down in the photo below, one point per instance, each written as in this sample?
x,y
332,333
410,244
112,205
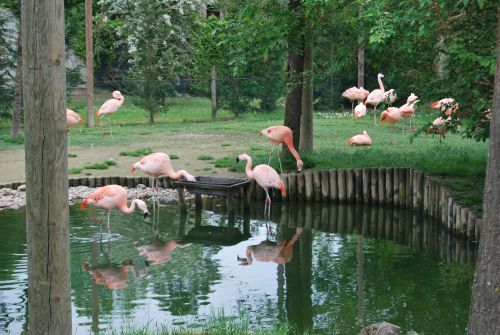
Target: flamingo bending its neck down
x,y
72,117
113,196
159,164
391,115
265,176
361,139
408,109
279,135
376,97
110,106
355,94
360,111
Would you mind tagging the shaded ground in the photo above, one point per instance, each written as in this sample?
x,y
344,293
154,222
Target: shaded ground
x,y
188,146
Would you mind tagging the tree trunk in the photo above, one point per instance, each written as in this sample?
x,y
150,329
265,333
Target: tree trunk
x,y
361,52
89,63
485,306
441,58
18,87
213,92
295,68
46,156
306,125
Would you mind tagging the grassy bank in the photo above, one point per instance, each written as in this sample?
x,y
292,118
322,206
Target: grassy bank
x,y
457,161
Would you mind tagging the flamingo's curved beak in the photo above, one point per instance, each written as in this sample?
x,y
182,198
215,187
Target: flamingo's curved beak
x,y
260,133
84,204
97,115
133,169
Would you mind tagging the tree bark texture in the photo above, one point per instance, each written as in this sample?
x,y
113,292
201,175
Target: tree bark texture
x,y
89,47
485,307
306,124
295,69
361,52
46,152
18,90
213,92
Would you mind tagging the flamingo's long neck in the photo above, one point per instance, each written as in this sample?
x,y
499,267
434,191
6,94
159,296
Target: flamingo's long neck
x,y
128,210
380,84
248,169
289,144
176,175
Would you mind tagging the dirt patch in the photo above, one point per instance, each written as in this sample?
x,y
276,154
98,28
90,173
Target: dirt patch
x,y
188,146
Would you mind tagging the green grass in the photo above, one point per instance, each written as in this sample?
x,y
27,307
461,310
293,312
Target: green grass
x,y
100,166
173,156
137,153
75,170
204,158
72,155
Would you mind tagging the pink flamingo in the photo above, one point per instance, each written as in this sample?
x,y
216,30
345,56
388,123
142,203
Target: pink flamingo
x,y
110,106
376,97
408,109
113,196
391,115
159,252
159,164
360,111
280,135
265,176
355,94
449,105
361,139
72,117
113,276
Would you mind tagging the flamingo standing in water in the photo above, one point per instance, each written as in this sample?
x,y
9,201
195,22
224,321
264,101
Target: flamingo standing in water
x,y
408,109
110,106
355,94
265,176
159,164
361,139
279,135
113,196
376,97
72,118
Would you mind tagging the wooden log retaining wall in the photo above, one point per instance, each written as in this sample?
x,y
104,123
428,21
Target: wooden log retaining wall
x,y
394,187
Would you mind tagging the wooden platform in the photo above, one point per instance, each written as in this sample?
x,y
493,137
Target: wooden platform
x,y
226,187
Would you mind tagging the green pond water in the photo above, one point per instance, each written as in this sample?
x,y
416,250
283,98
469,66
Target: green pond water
x,y
329,268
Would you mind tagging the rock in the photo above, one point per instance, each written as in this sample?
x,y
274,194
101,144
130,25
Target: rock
x,y
22,188
381,328
141,187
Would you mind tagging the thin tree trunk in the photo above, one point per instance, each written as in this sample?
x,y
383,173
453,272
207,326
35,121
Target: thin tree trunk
x,y
441,59
213,92
361,52
89,63
46,156
306,125
485,307
295,67
18,89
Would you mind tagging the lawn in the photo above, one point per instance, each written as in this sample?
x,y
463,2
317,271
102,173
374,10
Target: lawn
x,y
459,162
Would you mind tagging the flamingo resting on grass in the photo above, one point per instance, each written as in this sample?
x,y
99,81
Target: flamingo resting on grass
x,y
110,106
265,176
355,94
159,164
280,135
361,139
376,97
113,196
391,115
408,109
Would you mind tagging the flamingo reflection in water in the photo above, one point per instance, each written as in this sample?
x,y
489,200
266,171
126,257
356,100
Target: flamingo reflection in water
x,y
113,276
159,252
270,251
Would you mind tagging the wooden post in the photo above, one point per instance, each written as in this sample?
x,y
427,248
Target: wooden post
x,y
89,47
418,184
308,186
213,93
334,196
389,195
471,226
341,177
285,181
374,186
292,187
381,186
325,185
349,176
395,187
409,189
301,187
317,191
46,161
358,185
402,187
427,193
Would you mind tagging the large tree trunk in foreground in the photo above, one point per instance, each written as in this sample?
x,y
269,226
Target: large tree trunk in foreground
x,y
46,151
485,307
18,89
306,125
295,60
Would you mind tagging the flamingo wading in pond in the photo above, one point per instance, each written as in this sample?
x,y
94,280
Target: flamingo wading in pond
x,y
110,106
265,176
280,135
113,196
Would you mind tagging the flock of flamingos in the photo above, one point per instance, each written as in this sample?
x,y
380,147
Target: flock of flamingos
x,y
159,164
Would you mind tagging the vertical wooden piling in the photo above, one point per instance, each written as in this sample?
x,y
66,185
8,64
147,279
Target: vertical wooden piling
x,y
381,186
389,190
350,186
402,187
292,187
342,189
301,187
395,187
374,186
325,186
332,175
358,185
366,186
317,191
308,186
